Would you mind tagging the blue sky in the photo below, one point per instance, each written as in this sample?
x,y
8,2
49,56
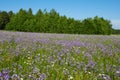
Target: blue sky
x,y
78,9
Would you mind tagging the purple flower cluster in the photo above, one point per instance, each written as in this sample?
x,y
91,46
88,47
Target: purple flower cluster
x,y
4,75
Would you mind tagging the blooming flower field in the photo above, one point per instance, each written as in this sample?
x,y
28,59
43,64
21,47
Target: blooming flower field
x,y
42,56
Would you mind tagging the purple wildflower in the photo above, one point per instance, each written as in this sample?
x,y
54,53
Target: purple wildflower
x,y
0,74
118,72
88,55
5,74
42,76
91,64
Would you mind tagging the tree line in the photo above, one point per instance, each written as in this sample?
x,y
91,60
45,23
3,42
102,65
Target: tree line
x,y
116,31
52,22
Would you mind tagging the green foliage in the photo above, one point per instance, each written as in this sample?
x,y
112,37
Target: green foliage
x,y
10,13
52,22
96,26
4,19
104,26
116,31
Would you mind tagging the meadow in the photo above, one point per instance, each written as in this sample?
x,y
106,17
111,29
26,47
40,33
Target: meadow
x,y
44,56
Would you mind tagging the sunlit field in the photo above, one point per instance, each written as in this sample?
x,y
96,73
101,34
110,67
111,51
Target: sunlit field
x,y
43,56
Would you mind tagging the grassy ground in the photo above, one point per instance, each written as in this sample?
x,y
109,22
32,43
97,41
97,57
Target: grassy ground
x,y
39,56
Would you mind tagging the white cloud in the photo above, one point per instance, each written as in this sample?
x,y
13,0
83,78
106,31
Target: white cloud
x,y
115,24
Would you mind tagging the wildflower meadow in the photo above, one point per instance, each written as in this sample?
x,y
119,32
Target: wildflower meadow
x,y
44,56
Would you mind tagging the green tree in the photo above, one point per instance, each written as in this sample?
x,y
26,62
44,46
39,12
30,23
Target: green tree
x,y
17,21
52,22
88,26
4,19
78,27
30,12
103,26
63,24
39,21
10,13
